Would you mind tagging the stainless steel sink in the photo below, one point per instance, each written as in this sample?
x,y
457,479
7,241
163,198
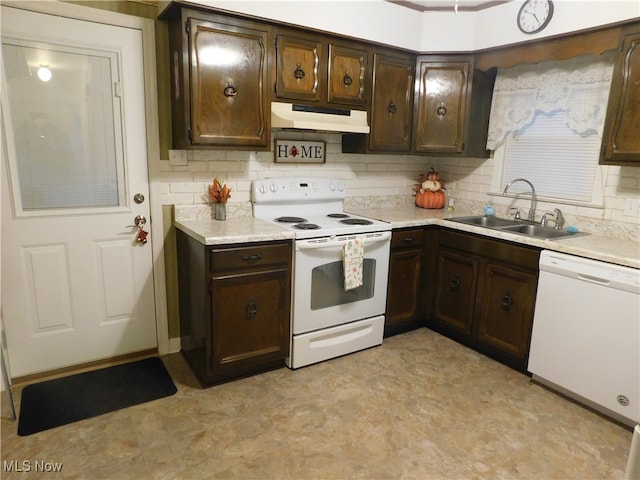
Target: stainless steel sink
x,y
521,227
485,221
538,231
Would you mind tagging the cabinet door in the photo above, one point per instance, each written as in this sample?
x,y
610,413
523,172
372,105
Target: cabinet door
x,y
456,290
298,74
228,81
391,106
505,317
250,319
404,283
621,139
441,99
347,75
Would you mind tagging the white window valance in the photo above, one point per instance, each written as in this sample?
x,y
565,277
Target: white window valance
x,y
579,87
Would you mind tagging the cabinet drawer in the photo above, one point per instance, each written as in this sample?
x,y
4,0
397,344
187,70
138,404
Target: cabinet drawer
x,y
407,238
248,257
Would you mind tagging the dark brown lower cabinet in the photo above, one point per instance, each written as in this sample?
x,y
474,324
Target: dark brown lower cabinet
x,y
505,314
405,268
485,295
234,307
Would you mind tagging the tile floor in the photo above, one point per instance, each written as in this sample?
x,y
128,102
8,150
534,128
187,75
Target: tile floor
x,y
419,406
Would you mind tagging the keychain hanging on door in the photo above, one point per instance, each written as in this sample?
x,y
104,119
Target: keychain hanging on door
x,y
142,236
140,221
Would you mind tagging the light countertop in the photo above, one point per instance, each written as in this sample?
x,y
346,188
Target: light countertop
x,y
606,249
250,229
233,230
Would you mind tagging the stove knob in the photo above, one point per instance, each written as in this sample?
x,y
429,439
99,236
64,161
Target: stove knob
x,y
273,188
263,189
341,187
332,187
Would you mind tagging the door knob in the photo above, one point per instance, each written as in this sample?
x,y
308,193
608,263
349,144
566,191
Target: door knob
x,y
140,221
138,198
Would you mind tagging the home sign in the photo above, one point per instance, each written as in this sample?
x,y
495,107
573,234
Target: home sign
x,y
295,151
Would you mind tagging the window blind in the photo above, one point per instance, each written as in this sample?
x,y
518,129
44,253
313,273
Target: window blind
x,y
559,162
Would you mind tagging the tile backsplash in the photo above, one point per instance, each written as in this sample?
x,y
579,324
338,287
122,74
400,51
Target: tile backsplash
x,y
381,178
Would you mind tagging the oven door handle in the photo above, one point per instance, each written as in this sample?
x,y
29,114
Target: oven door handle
x,y
336,242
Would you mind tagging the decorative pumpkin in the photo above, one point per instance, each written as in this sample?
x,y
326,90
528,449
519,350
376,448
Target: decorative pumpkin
x,y
433,175
430,190
431,185
429,199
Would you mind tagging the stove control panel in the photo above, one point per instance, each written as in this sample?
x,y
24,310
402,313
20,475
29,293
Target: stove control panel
x,y
291,189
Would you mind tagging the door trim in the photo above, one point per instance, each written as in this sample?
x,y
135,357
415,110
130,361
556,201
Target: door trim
x,y
147,29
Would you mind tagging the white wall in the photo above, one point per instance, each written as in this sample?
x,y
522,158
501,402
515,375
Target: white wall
x,y
373,20
497,25
387,23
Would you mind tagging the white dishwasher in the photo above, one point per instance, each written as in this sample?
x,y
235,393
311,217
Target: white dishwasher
x,y
585,341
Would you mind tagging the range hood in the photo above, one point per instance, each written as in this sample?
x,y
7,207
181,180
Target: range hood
x,y
304,117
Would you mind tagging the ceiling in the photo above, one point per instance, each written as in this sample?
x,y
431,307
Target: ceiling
x,y
444,5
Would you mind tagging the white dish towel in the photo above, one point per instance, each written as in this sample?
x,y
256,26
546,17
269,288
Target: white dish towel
x,y
352,259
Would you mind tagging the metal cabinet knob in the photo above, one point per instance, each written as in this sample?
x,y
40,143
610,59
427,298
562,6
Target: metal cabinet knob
x,y
252,308
506,302
299,73
252,258
230,91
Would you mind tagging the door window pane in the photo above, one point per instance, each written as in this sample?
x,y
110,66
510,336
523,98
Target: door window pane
x,y
67,140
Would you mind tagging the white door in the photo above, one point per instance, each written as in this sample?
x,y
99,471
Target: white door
x,y
77,285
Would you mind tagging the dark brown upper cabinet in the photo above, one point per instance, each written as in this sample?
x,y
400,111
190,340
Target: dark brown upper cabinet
x,y
347,75
452,106
621,136
298,68
441,105
391,108
392,103
311,69
219,81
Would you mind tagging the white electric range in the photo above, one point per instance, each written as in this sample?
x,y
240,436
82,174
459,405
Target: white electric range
x,y
327,319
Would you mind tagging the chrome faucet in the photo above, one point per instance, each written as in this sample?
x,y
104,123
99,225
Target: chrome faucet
x,y
559,219
532,210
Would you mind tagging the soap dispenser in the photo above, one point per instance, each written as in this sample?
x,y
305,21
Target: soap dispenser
x,y
489,211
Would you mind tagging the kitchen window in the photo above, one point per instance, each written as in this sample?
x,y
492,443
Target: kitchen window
x,y
546,126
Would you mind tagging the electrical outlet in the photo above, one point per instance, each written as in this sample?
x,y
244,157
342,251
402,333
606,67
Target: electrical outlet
x,y
632,207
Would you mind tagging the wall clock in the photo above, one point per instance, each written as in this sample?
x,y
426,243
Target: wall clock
x,y
534,15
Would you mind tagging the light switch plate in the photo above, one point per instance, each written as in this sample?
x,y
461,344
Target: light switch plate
x,y
178,158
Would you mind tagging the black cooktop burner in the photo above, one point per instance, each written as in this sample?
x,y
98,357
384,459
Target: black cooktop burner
x,y
306,226
338,215
356,221
291,219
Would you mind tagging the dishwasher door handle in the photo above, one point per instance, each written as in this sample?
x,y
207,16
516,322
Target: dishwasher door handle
x,y
592,279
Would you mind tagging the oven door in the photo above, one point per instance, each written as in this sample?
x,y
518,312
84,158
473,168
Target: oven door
x,y
320,299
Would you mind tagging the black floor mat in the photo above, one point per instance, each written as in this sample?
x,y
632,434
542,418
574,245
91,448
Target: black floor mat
x,y
65,400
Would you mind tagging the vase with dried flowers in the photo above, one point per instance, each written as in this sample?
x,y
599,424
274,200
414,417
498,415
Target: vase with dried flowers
x,y
219,193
